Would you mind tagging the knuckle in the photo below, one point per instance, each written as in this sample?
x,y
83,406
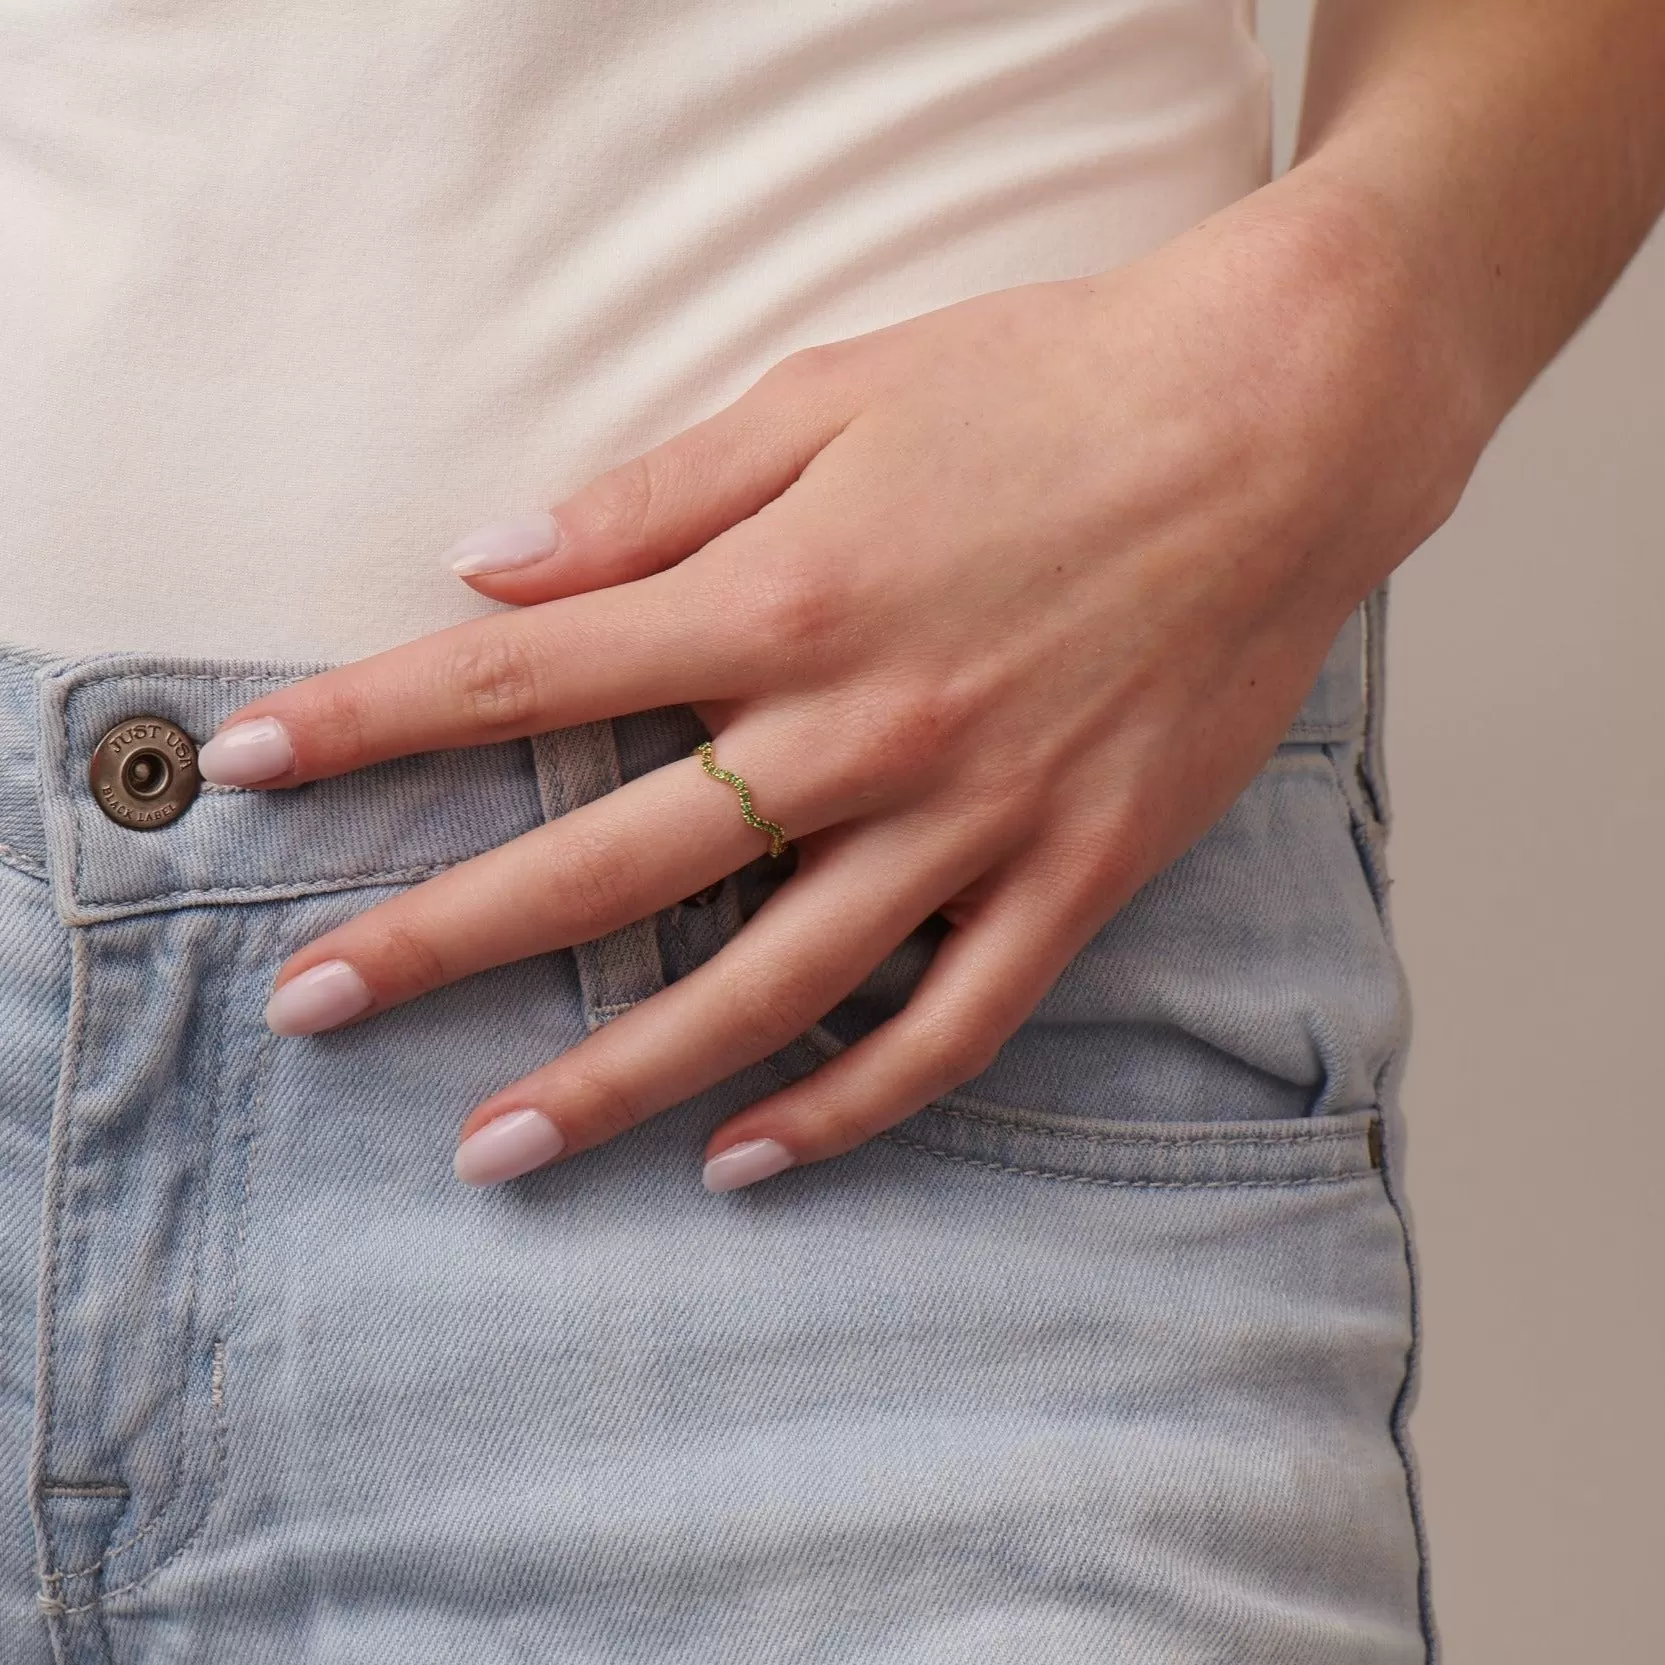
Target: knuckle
x,y
420,964
796,611
602,877
908,731
617,507
816,368
894,740
956,1046
498,683
336,724
1114,856
608,1106
767,1012
805,367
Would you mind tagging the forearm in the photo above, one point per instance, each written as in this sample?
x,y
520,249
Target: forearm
x,y
1507,155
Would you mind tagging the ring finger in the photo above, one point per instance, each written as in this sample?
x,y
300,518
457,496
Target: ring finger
x,y
618,858
807,947
594,870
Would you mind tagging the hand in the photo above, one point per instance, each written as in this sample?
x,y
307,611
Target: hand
x,y
996,610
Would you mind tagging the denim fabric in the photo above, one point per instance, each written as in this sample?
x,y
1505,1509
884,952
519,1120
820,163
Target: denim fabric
x,y
1104,1356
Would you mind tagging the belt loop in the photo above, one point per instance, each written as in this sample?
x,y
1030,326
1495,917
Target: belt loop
x,y
575,765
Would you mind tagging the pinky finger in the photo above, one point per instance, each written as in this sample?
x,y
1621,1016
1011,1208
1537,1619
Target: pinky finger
x,y
987,976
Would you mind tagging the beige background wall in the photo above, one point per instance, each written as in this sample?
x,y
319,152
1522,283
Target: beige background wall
x,y
1526,736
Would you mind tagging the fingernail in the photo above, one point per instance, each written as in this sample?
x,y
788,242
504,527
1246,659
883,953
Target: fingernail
x,y
247,752
507,1147
746,1163
319,998
505,544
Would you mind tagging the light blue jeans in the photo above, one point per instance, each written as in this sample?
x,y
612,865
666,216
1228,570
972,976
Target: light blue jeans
x,y
1104,1357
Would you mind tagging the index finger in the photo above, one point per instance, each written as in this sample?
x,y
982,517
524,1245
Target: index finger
x,y
655,641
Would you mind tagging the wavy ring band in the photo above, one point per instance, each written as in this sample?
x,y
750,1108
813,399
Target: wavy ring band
x,y
777,833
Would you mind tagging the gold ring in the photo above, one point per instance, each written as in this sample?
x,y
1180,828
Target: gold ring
x,y
776,832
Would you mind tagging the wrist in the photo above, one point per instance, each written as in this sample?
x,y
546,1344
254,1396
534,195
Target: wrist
x,y
1377,345
1412,276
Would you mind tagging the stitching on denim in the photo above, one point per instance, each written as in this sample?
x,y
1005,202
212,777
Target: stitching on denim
x,y
1337,1135
260,1101
223,892
58,810
1365,853
183,676
1126,1184
1373,759
1398,1417
46,1320
164,1505
60,748
674,915
10,856
171,1491
768,1062
691,961
302,887
217,1471
193,1284
1322,733
1315,1136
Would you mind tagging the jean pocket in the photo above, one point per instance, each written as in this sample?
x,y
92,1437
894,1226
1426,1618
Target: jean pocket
x,y
1140,1155
1252,980
1040,1144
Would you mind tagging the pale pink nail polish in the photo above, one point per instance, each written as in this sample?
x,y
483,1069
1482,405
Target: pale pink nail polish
x,y
246,753
505,544
745,1163
320,998
507,1147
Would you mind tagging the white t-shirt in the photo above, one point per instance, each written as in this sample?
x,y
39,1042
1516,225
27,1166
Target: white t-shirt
x,y
293,293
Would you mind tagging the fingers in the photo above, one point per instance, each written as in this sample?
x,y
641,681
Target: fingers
x,y
597,868
660,507
986,977
626,649
619,629
858,892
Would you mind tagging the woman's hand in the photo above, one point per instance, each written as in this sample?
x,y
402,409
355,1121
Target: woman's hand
x,y
996,610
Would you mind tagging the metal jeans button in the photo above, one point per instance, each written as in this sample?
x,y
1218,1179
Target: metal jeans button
x,y
144,773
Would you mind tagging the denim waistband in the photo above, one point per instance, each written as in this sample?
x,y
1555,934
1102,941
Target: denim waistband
x,y
389,824
392,823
